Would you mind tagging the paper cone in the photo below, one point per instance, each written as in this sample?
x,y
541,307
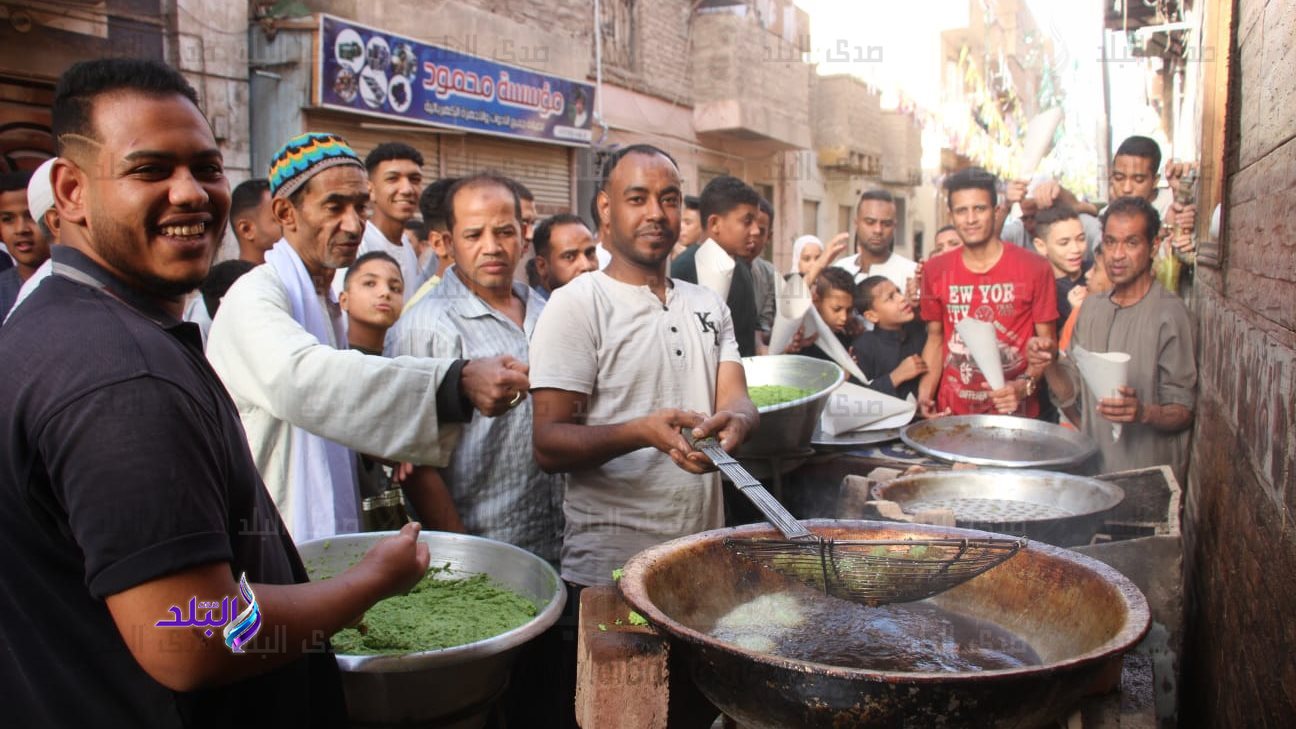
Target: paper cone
x,y
983,344
853,408
830,345
1103,373
1039,140
791,303
715,268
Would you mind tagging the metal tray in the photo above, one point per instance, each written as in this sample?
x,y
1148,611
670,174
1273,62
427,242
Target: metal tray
x,y
998,440
1059,508
854,439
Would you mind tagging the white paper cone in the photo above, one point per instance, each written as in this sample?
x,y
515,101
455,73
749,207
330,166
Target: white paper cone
x,y
983,344
791,305
828,342
1039,140
851,408
715,268
1104,374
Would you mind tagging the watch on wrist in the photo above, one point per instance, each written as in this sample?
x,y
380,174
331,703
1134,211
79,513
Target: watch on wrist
x,y
1030,385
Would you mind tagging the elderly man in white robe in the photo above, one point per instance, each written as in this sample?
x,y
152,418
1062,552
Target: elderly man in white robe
x,y
278,343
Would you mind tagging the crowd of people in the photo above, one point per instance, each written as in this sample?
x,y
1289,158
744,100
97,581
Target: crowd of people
x,y
526,379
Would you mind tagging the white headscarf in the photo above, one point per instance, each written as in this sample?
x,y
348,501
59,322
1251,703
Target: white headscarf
x,y
799,246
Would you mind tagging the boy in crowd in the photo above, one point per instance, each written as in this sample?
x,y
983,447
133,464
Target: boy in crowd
x,y
1060,238
373,292
729,207
833,295
890,354
1000,284
25,239
40,205
1095,282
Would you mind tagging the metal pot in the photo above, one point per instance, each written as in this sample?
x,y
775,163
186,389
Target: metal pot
x,y
1077,614
453,687
786,428
1057,508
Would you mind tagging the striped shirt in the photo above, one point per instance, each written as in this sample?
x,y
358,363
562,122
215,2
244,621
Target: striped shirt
x,y
498,489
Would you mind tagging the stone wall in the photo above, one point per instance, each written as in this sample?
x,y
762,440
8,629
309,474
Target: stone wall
x,y
1240,543
209,46
847,121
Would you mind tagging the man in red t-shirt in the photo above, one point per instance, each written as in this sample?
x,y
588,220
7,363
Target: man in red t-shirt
x,y
1004,285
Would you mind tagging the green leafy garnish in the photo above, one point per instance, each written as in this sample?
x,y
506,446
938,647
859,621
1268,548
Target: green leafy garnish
x,y
637,619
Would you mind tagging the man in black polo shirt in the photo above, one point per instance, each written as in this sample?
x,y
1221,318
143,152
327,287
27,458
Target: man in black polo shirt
x,y
729,209
126,485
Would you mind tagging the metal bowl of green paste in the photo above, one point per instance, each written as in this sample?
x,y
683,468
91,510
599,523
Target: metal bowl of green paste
x,y
477,588
790,391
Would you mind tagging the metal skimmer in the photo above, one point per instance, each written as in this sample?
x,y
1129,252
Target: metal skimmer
x,y
872,572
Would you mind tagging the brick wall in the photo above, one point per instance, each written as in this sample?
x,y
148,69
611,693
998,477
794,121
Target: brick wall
x,y
847,115
901,149
734,58
1239,538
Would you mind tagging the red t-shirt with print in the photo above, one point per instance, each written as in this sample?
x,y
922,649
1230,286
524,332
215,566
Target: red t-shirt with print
x,y
1014,295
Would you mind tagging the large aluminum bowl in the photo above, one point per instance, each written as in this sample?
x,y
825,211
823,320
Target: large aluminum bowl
x,y
453,687
1073,506
1079,616
787,427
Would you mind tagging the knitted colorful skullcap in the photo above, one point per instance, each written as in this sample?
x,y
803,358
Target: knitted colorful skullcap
x,y
305,156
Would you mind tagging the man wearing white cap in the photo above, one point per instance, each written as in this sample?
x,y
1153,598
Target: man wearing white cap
x,y
24,200
278,343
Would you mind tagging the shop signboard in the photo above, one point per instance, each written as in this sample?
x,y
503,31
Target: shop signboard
x,y
367,71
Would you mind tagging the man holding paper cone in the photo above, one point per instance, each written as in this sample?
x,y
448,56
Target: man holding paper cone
x,y
1004,289
1139,318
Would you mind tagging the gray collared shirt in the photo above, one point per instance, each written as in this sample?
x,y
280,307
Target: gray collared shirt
x,y
497,487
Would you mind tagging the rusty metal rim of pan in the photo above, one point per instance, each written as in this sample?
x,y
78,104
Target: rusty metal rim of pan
x,y
635,593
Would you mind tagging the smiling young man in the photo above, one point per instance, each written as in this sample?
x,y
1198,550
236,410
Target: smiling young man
x,y
1000,284
1139,318
126,483
278,342
479,310
395,172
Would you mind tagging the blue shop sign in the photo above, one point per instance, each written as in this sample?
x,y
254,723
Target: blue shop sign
x,y
368,71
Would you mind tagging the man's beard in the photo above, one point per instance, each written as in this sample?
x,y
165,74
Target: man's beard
x,y
111,241
860,245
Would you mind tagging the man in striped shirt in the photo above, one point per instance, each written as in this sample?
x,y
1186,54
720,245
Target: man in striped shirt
x,y
496,486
